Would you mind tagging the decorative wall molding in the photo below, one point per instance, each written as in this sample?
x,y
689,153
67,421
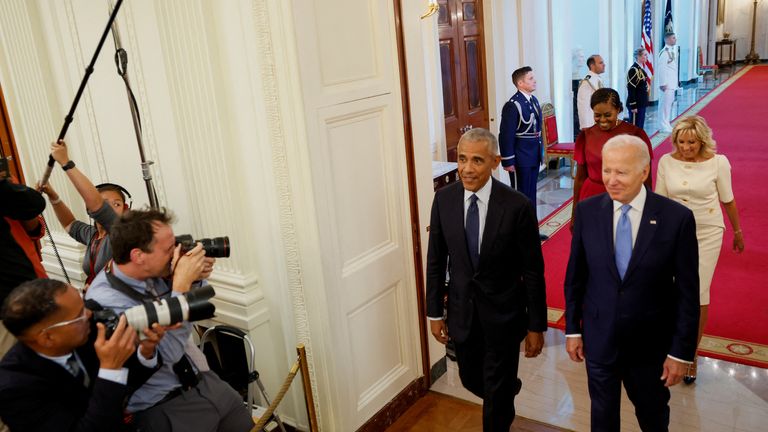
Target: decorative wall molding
x,y
270,87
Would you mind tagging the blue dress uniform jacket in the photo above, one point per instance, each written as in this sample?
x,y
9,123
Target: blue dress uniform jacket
x,y
520,132
637,88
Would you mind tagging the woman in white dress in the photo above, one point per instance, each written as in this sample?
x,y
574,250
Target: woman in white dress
x,y
700,179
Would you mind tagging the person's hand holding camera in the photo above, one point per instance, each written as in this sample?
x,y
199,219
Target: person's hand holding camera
x,y
187,267
116,350
152,337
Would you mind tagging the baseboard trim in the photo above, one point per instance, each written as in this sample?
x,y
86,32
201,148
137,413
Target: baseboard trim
x,y
437,370
396,407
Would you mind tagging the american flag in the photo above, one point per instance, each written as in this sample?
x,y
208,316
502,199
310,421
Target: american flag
x,y
647,40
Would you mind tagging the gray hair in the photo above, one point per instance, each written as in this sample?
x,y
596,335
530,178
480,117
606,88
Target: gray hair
x,y
482,135
640,51
623,141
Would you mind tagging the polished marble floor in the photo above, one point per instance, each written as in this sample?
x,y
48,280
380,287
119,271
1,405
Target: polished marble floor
x,y
725,397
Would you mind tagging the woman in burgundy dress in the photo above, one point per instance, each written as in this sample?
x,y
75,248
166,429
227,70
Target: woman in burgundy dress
x,y
606,106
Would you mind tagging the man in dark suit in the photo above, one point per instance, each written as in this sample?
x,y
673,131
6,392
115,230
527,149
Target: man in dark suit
x,y
632,291
637,89
56,378
496,293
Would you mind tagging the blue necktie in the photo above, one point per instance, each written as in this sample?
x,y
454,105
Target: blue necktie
x,y
623,241
472,230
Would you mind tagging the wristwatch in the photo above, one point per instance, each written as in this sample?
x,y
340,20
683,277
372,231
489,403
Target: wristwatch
x,y
68,166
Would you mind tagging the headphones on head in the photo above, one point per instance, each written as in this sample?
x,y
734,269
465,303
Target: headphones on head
x,y
129,199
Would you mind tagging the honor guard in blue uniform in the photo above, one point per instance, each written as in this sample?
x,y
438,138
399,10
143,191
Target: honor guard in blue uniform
x,y
637,89
520,134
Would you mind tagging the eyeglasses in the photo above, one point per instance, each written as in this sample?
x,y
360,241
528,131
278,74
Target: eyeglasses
x,y
82,317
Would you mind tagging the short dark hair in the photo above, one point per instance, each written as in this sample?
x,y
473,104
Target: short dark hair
x,y
592,60
668,34
135,229
606,95
113,188
30,303
519,74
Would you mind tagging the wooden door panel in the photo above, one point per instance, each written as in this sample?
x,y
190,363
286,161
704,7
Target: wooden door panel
x,y
461,52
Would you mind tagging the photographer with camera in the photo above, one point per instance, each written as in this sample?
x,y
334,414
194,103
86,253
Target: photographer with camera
x,y
20,227
59,377
149,265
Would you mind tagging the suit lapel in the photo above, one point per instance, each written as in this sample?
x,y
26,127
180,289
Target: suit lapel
x,y
605,223
645,233
492,220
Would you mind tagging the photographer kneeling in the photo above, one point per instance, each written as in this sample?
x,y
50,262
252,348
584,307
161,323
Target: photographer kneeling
x,y
56,377
184,394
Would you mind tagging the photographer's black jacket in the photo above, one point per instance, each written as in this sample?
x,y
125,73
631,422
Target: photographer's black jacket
x,y
17,202
37,394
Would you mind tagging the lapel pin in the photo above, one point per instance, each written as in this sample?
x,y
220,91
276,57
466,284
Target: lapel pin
x,y
653,221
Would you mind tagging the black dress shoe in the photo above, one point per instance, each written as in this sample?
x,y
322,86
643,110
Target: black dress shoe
x,y
690,374
543,237
519,386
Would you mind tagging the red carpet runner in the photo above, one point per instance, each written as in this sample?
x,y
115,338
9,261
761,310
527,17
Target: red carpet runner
x,y
737,329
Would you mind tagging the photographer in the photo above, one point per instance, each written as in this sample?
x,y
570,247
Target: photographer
x,y
19,228
104,203
56,378
184,394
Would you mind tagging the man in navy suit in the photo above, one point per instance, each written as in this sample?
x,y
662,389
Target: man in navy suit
x,y
632,291
56,378
520,134
496,293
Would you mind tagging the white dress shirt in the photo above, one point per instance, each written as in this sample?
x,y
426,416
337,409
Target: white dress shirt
x,y
119,376
483,195
634,214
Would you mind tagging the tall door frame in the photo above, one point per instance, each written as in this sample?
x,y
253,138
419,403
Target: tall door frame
x,y
463,69
8,142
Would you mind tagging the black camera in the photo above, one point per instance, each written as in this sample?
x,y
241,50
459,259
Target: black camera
x,y
190,306
217,247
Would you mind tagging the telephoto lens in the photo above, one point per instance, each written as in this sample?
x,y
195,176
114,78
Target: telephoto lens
x,y
217,247
193,305
190,306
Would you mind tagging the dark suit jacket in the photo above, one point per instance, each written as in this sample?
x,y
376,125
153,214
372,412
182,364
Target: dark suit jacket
x,y
37,394
637,88
517,138
508,287
654,311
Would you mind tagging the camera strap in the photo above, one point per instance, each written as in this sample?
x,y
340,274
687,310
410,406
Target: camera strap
x,y
126,289
183,368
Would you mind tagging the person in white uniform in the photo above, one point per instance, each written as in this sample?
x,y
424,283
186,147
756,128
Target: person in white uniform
x,y
666,73
700,179
587,87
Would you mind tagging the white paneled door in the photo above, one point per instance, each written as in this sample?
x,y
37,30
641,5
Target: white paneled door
x,y
351,92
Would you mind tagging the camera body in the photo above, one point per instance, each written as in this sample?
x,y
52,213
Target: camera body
x,y
217,247
190,306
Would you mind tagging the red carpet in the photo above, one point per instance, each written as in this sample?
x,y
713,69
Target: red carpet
x,y
737,329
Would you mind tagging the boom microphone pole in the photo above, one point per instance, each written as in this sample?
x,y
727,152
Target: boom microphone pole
x,y
88,71
121,61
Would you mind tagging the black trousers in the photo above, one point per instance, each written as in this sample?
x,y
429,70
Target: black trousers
x,y
638,118
490,373
644,387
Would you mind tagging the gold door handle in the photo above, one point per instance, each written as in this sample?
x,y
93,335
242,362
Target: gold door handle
x,y
432,8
